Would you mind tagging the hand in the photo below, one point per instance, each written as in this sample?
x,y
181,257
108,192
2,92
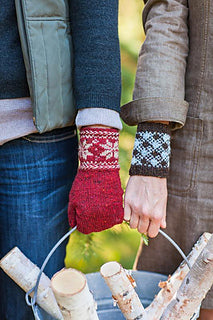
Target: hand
x,y
95,200
145,204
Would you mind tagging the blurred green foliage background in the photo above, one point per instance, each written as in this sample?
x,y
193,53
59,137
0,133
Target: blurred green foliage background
x,y
88,252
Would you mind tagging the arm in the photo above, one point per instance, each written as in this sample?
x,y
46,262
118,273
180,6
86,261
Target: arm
x,y
95,201
158,96
160,79
146,193
97,81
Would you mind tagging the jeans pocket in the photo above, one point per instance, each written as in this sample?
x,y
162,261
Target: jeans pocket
x,y
186,144
55,135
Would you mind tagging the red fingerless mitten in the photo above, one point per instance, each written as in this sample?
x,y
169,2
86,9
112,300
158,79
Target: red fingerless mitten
x,y
95,200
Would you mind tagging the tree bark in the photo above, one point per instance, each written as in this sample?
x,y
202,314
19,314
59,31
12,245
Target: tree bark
x,y
194,287
73,296
170,287
19,268
122,288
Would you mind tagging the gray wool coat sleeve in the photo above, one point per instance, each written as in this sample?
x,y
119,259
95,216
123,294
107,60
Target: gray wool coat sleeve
x,y
159,91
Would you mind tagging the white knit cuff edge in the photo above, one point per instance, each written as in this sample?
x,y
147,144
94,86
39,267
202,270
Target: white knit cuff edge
x,y
98,116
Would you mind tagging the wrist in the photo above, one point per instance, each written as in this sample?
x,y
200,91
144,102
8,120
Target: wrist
x,y
151,153
98,148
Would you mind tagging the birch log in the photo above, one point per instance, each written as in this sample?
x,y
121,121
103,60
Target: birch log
x,y
73,296
122,290
170,287
194,287
19,268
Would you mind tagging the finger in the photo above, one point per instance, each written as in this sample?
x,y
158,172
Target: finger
x,y
127,212
134,220
143,225
163,221
153,229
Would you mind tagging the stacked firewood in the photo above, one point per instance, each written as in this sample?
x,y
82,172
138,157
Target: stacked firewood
x,y
67,296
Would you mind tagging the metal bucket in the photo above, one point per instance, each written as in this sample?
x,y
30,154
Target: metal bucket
x,y
147,288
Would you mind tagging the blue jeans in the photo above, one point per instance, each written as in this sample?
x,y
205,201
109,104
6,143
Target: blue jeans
x,y
36,174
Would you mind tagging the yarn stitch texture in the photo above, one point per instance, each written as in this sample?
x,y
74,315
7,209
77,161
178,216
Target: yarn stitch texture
x,y
96,197
151,153
98,149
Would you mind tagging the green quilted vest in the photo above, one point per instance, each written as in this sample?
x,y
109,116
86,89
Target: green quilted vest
x,y
44,28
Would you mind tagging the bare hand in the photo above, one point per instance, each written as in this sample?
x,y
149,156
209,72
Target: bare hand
x,y
145,204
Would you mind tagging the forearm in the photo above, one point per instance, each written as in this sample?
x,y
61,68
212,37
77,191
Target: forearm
x,y
158,106
97,81
160,80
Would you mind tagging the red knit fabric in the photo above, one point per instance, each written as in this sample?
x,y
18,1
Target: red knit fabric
x,y
95,200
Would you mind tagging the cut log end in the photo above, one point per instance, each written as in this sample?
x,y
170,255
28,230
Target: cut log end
x,y
110,268
122,288
73,295
4,259
68,282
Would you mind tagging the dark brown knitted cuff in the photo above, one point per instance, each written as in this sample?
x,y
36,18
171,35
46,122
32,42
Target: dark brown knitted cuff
x,y
151,153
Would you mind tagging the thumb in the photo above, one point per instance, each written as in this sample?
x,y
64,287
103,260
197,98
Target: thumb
x,y
72,214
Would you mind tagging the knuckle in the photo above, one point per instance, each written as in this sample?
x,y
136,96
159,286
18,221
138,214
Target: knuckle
x,y
157,216
146,213
136,207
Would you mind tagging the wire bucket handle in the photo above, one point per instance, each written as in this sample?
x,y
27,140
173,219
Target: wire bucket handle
x,y
31,301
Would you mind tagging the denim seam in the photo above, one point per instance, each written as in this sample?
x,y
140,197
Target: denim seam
x,y
49,140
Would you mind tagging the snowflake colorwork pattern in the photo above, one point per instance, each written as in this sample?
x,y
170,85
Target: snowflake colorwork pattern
x,y
98,148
